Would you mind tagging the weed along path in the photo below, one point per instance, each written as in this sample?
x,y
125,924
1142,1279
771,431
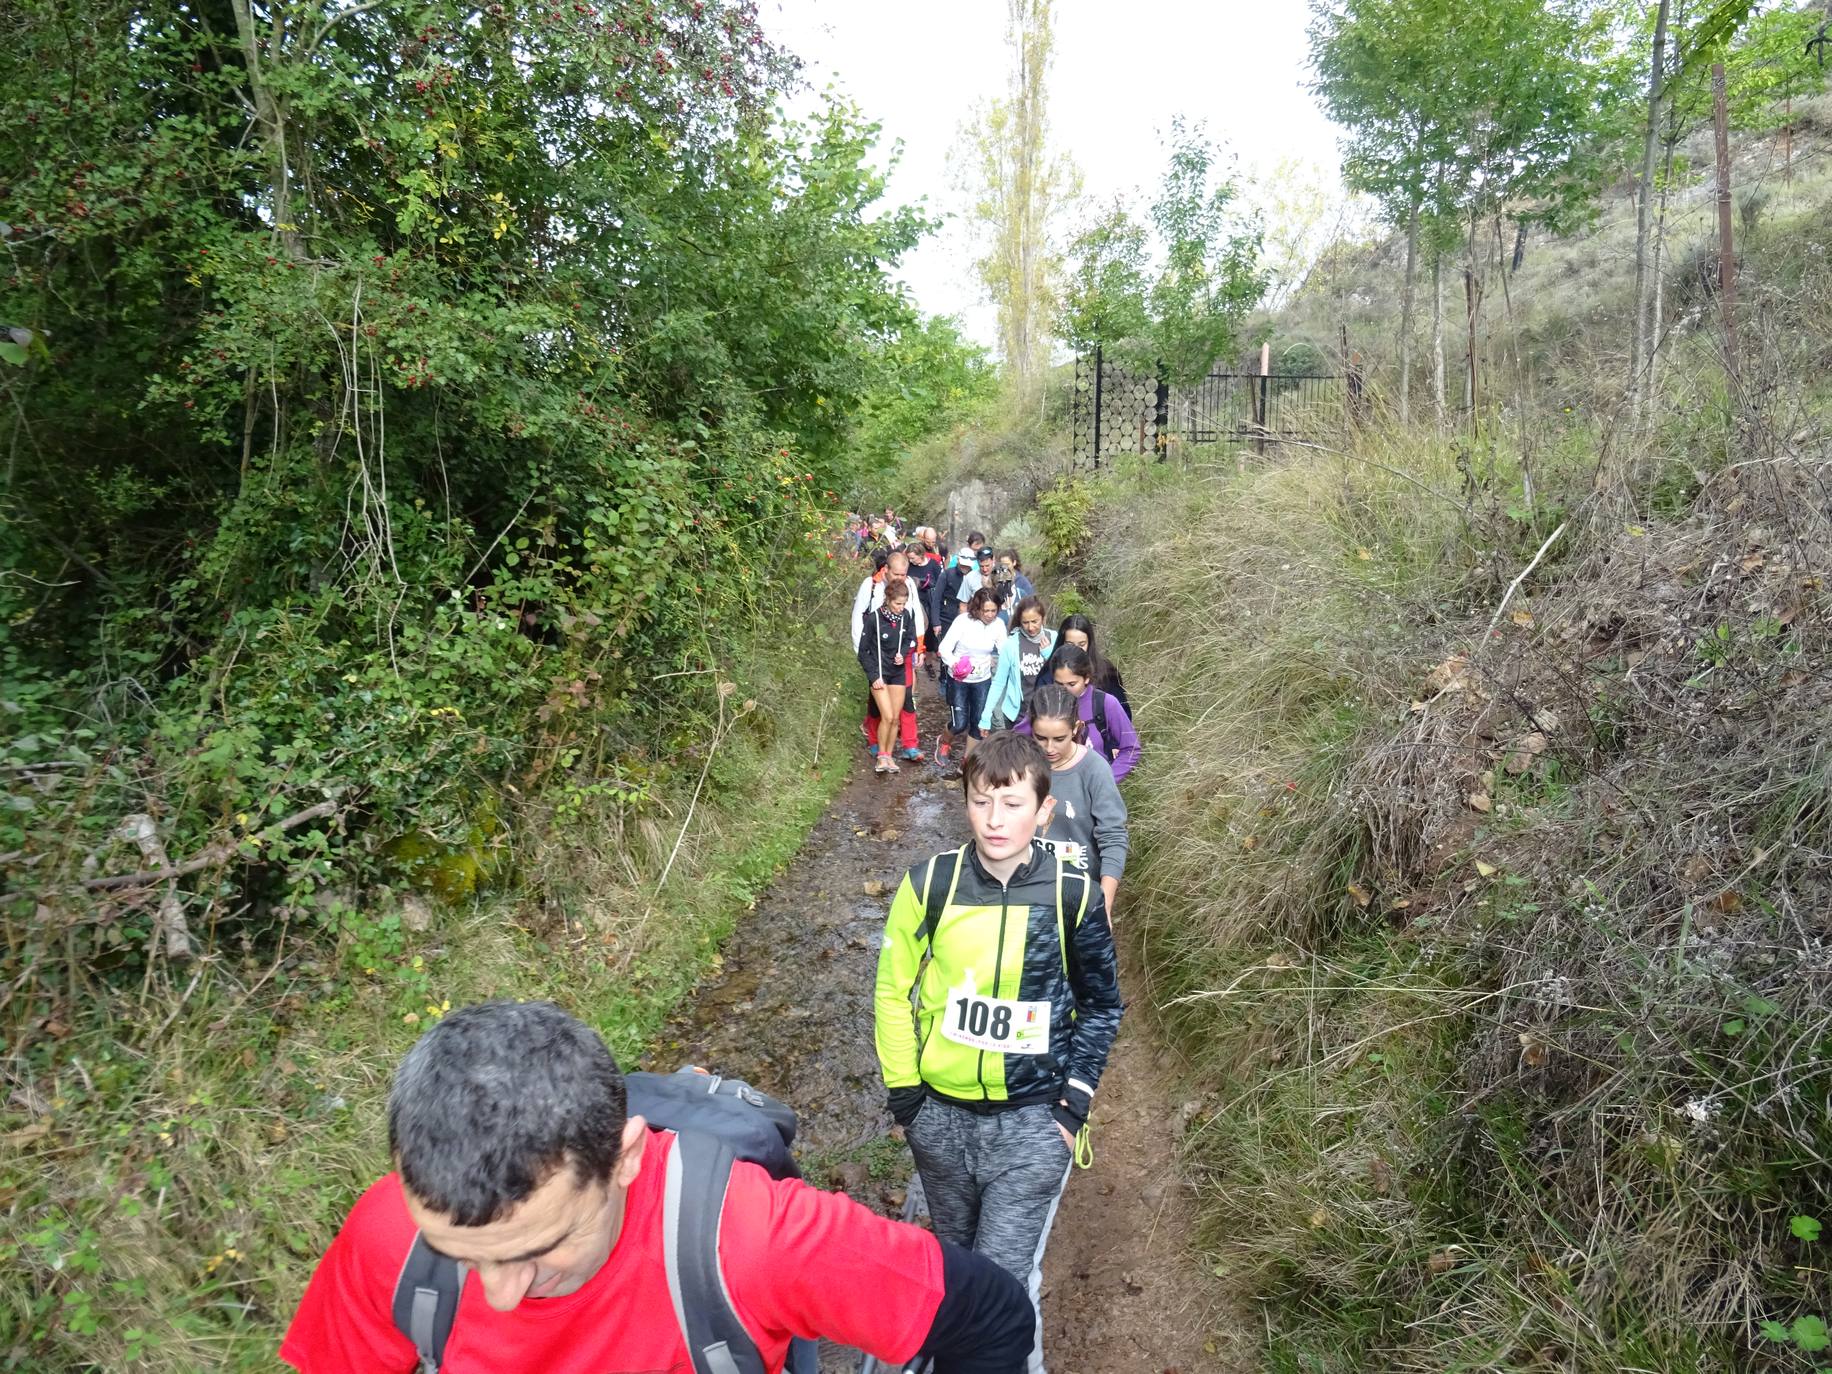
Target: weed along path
x,y
789,1007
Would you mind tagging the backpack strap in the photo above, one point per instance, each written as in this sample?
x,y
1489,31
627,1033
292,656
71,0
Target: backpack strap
x,y
937,895
693,1203
1081,910
426,1302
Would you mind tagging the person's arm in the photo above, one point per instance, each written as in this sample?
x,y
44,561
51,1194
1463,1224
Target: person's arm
x,y
1094,975
869,654
861,603
1107,810
1002,676
916,610
985,1323
899,961
345,1320
1123,738
800,1261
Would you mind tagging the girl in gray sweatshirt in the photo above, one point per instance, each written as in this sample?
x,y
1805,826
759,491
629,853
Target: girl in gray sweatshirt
x,y
1087,820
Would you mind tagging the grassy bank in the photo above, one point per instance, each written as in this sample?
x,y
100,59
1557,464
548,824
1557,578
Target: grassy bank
x,y
1497,920
174,1166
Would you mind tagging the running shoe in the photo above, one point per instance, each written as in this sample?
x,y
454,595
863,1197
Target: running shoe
x,y
911,755
944,755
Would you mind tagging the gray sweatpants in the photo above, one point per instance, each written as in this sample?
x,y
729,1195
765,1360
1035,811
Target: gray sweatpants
x,y
993,1183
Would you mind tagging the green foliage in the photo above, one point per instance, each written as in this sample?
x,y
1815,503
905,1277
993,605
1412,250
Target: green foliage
x,y
1210,277
1455,109
935,379
1765,57
409,444
1104,300
1066,521
1016,183
185,1185
1190,312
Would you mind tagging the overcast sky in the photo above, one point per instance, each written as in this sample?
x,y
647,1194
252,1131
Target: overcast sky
x,y
1121,72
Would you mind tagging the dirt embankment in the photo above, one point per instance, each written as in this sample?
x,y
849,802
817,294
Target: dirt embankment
x,y
790,1010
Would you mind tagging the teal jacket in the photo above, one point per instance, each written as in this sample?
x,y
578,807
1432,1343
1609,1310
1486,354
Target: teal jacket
x,y
1007,691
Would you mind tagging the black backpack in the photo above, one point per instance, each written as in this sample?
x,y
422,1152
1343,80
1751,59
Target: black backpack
x,y
1109,749
717,1122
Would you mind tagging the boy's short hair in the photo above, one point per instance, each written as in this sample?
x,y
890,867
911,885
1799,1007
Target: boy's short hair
x,y
1004,758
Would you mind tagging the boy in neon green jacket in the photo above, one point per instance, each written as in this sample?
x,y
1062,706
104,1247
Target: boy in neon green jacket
x,y
1018,1004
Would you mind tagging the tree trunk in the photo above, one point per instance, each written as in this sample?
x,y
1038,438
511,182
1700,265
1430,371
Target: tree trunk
x,y
1405,316
1520,245
1437,333
270,115
1657,267
1644,201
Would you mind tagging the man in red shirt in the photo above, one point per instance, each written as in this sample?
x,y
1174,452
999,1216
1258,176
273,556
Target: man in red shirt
x,y
515,1157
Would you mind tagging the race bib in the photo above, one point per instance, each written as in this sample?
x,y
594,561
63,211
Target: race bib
x,y
1003,1025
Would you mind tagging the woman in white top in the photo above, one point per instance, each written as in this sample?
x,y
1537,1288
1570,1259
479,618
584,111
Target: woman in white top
x,y
969,653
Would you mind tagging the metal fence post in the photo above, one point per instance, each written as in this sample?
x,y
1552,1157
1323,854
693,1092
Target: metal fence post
x,y
1161,418
1097,399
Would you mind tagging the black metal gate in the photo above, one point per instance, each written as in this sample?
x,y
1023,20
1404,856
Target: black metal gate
x,y
1115,411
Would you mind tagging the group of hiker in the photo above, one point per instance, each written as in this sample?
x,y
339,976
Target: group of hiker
x,y
1006,942
974,625
549,1212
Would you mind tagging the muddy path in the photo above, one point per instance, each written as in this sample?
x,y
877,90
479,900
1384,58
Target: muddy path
x,y
790,1009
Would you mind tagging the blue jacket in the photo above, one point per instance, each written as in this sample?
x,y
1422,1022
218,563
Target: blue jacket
x,y
1006,695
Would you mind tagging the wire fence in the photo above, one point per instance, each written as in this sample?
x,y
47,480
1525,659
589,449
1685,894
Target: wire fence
x,y
1115,411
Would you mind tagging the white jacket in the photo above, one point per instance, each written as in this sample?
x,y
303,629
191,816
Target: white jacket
x,y
870,596
981,643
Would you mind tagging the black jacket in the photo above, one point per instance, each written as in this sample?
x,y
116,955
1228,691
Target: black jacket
x,y
885,637
948,598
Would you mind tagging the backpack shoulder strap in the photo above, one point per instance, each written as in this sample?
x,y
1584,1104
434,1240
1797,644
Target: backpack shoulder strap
x,y
1063,926
693,1202
426,1302
938,890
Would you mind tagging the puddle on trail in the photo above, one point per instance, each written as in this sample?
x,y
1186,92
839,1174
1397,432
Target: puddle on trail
x,y
791,1009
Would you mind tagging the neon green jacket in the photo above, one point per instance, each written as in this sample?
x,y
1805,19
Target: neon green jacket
x,y
1043,937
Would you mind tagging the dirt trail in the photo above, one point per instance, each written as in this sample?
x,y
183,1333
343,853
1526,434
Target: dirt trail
x,y
791,1011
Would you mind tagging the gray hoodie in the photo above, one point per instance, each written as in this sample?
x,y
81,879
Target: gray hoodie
x,y
1090,813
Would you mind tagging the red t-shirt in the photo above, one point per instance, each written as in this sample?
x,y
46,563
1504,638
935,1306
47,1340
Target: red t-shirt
x,y
796,1262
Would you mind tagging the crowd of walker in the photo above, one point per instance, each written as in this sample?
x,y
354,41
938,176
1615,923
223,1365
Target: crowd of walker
x,y
551,1213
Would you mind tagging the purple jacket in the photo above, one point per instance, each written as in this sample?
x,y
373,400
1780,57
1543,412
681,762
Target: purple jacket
x,y
1111,736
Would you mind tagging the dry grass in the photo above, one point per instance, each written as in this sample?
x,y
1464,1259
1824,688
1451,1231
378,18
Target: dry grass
x,y
1508,952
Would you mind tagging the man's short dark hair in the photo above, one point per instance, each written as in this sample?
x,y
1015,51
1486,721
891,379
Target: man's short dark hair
x,y
490,1102
1004,758
975,538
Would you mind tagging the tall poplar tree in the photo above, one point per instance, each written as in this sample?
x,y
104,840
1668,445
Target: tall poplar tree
x,y
1017,183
